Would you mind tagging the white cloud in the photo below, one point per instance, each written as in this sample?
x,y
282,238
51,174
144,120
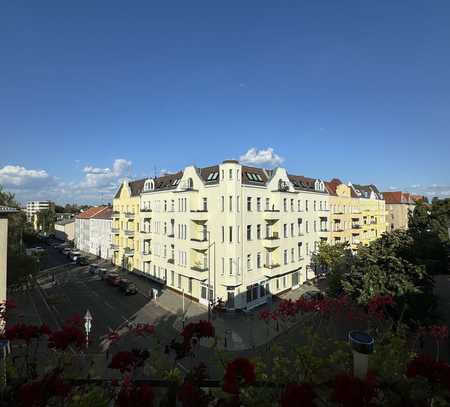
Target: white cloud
x,y
261,157
415,186
393,188
101,177
16,176
166,172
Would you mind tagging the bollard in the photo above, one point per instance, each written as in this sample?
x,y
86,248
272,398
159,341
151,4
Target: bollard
x,y
362,346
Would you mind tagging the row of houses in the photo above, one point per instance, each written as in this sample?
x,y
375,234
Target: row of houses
x,y
236,232
231,231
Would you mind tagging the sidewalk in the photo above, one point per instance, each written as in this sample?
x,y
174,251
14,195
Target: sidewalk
x,y
237,331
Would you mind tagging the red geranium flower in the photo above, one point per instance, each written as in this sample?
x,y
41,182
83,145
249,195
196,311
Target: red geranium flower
x,y
26,332
298,395
125,361
239,371
376,307
143,329
353,392
69,335
435,372
135,395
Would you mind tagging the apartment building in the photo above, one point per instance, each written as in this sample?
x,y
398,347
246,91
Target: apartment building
x,y
33,207
373,213
227,231
65,230
399,205
93,231
4,212
125,243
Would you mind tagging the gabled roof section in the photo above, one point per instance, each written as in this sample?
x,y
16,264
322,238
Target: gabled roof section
x,y
209,175
302,183
91,212
398,197
135,188
254,176
364,191
106,214
331,187
169,181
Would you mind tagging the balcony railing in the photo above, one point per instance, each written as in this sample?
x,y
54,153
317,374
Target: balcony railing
x,y
128,232
115,231
356,226
199,268
128,251
129,215
274,236
171,261
146,210
115,214
114,246
271,266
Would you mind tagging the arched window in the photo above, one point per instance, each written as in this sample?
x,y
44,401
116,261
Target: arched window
x,y
149,185
190,183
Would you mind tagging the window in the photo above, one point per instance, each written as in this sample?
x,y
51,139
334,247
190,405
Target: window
x,y
190,285
165,206
258,204
320,205
223,234
249,232
230,174
205,204
172,277
285,234
249,262
179,281
299,251
315,226
292,205
238,233
267,204
258,232
222,174
231,234
231,203
306,205
314,206
299,206
292,230
222,200
307,248
285,204
306,226
223,266
299,225
231,266
292,255
258,260
237,204
249,203
285,256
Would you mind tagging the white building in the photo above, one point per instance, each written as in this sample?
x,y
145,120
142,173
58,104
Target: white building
x,y
65,230
34,207
93,231
241,233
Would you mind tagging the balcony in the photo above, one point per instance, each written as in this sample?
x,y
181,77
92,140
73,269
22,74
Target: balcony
x,y
199,244
271,214
199,267
129,215
145,232
171,235
356,226
323,230
128,232
171,261
271,266
115,231
272,241
200,215
146,210
128,251
116,214
146,255
114,247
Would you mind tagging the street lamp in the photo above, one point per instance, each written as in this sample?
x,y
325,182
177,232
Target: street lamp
x,y
87,326
209,273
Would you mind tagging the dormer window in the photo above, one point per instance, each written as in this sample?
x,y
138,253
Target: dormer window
x,y
149,185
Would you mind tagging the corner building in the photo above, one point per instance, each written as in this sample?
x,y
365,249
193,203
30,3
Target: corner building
x,y
227,231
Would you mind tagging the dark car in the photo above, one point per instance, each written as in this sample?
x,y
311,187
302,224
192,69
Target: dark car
x,y
312,295
82,261
93,268
113,279
127,287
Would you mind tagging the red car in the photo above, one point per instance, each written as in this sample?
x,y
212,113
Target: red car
x,y
113,279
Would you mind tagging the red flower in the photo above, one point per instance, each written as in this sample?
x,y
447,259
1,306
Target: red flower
x,y
239,371
143,329
135,395
39,392
26,332
75,320
435,372
298,395
376,307
113,336
69,335
127,361
353,392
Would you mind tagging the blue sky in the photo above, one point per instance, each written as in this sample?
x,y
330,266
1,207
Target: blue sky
x,y
91,92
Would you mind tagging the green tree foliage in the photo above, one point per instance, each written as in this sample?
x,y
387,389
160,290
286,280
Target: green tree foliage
x,y
428,226
46,221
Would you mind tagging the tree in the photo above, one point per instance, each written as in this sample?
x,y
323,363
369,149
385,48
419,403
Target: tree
x,y
46,221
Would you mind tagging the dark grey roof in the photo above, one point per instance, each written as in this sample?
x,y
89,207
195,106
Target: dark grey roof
x,y
363,191
135,188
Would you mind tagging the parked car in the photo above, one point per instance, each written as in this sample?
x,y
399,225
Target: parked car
x,y
74,254
127,287
82,261
113,279
313,295
93,268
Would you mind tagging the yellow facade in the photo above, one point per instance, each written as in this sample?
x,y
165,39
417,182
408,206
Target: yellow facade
x,y
125,226
358,214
